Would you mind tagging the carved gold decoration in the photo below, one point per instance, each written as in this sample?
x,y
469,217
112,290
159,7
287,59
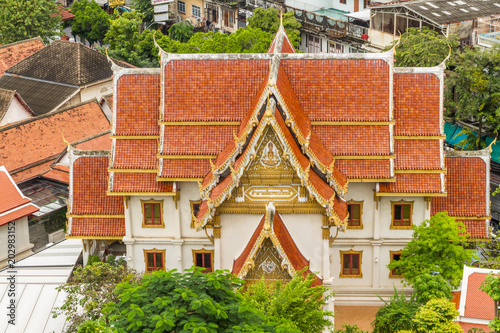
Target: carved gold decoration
x,y
267,265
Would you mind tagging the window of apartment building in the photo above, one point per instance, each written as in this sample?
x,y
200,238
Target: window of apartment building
x,y
366,3
155,259
313,44
204,258
335,48
196,11
181,7
343,2
195,208
351,264
355,210
401,214
152,214
394,273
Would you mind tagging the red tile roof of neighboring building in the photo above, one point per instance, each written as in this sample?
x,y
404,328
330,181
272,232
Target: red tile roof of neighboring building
x,y
226,88
477,229
466,186
90,181
57,173
34,140
11,54
65,14
478,303
340,91
13,204
32,171
417,104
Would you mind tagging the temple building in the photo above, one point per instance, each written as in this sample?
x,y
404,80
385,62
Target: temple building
x,y
267,164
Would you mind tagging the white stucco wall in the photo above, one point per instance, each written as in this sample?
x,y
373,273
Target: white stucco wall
x,y
15,112
96,91
22,241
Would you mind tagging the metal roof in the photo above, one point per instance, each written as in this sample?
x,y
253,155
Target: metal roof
x,y
37,276
443,12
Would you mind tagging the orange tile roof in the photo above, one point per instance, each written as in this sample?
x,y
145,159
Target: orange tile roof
x,y
466,186
185,168
355,139
32,171
225,88
138,104
41,138
416,104
101,227
139,182
11,196
413,183
340,91
417,154
135,154
65,14
99,142
478,303
364,168
57,175
90,181
11,54
197,140
477,229
17,214
296,258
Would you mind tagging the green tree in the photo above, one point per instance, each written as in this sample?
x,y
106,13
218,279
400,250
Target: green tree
x,y
428,287
491,286
437,247
90,22
146,8
23,19
437,316
346,328
298,301
169,301
268,21
471,141
422,48
89,290
123,37
396,315
181,31
473,88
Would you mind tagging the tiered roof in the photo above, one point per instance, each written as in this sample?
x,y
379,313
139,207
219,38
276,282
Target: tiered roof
x,y
14,205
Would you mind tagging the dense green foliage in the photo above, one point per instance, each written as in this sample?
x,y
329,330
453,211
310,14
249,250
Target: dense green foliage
x,y
268,21
346,328
422,48
437,247
181,31
396,315
23,19
146,8
90,22
298,302
491,286
471,141
437,316
473,87
169,301
90,289
428,287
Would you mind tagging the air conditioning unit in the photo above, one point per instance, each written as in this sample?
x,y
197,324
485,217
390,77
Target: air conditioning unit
x,y
199,20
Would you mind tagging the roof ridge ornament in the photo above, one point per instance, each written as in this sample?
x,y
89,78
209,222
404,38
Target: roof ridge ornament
x,y
114,67
270,211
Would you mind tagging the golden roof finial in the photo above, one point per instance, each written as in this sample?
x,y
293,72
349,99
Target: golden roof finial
x,y
492,143
281,16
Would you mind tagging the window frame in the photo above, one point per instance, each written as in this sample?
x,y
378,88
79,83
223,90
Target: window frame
x,y
192,11
183,4
191,204
351,252
204,251
162,221
343,2
360,204
393,214
392,275
154,250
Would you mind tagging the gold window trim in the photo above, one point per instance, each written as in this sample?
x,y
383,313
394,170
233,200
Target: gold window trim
x,y
154,250
191,204
144,225
360,203
402,202
394,276
203,251
342,275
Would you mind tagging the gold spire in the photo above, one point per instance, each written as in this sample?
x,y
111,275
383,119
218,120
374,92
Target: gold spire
x,y
281,16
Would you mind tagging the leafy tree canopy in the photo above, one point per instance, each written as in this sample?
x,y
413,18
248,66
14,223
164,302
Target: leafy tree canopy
x,y
146,8
437,316
181,31
90,289
169,301
268,21
422,48
298,301
428,287
123,37
90,22
437,247
473,88
23,19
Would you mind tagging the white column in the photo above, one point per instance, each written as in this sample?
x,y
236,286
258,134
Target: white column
x,y
375,263
178,254
326,260
129,243
376,219
217,254
128,217
177,220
